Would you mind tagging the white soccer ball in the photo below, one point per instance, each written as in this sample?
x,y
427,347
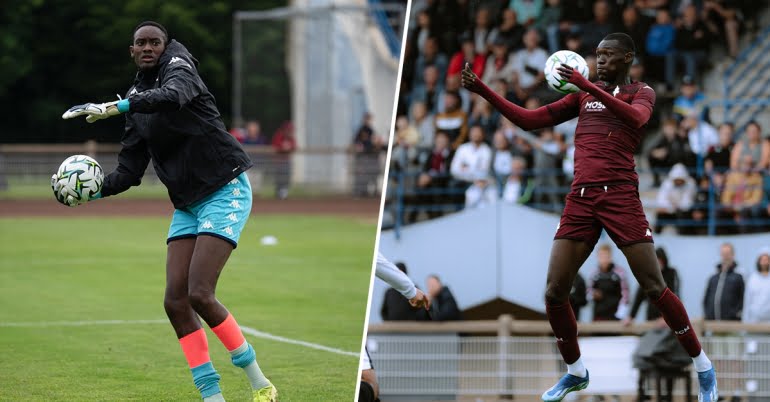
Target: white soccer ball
x,y
80,177
569,58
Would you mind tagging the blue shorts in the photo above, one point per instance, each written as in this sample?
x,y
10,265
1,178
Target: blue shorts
x,y
221,214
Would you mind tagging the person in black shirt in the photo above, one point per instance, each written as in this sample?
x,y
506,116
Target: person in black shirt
x,y
172,119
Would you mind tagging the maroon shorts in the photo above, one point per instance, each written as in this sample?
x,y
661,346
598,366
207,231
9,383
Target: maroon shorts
x,y
615,208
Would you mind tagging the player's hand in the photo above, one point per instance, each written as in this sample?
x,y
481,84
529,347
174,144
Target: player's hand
x,y
61,193
567,73
93,111
469,79
420,300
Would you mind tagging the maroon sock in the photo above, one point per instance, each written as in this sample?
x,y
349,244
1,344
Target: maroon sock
x,y
676,317
564,326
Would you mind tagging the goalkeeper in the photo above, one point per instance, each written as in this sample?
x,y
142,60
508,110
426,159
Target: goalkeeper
x,y
172,119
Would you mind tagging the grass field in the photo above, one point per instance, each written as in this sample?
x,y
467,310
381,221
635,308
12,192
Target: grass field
x,y
312,287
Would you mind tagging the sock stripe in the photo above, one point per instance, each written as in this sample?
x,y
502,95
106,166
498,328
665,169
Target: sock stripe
x,y
244,358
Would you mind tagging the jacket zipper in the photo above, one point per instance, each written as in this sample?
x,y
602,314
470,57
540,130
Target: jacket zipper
x,y
718,297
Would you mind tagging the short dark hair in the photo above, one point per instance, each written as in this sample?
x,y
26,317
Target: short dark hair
x,y
401,266
626,43
151,24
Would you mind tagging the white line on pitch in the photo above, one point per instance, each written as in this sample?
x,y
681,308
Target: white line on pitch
x,y
246,330
265,335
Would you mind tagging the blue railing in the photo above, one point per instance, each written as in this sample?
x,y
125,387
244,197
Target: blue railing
x,y
729,78
380,15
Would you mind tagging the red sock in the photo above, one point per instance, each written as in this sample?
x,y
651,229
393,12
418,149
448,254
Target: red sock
x,y
195,348
564,326
676,317
229,333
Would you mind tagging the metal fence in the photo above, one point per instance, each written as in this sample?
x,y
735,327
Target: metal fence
x,y
34,165
467,360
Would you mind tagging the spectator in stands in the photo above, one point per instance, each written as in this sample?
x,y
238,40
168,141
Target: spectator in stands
x,y
675,199
237,130
723,299
405,142
672,148
433,181
722,21
443,303
422,31
701,135
636,26
499,63
509,31
254,134
453,85
430,56
454,120
690,101
395,307
670,276
718,156
365,157
528,64
574,42
501,159
752,145
577,295
518,188
660,45
691,44
608,288
601,26
428,91
284,144
547,156
425,124
701,205
472,159
466,54
756,305
649,8
519,146
527,11
636,72
548,24
486,116
481,193
482,30
743,195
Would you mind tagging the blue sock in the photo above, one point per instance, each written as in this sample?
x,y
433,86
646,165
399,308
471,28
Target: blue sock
x,y
206,379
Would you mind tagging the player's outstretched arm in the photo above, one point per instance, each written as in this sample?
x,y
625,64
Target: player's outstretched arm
x,y
389,273
180,84
636,114
524,118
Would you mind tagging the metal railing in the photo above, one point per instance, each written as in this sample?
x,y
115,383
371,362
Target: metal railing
x,y
519,358
33,164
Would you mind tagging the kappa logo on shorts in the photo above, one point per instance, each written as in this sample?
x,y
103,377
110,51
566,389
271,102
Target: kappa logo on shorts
x,y
228,230
648,233
232,217
558,226
234,181
236,192
207,225
235,204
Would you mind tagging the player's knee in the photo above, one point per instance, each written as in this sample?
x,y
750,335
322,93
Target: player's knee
x,y
175,305
554,295
200,300
366,392
369,380
654,292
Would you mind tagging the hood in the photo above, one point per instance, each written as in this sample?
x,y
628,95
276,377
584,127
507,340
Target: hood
x,y
729,270
176,49
678,171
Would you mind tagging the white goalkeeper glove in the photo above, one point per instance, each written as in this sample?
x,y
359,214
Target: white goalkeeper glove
x,y
97,111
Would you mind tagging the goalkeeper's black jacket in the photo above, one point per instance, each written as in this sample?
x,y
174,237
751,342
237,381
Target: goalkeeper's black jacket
x,y
173,120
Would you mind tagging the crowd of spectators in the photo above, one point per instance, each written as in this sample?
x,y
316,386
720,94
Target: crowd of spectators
x,y
445,167
282,143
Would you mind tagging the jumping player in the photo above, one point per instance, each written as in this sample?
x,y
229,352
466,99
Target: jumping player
x,y
172,119
369,389
612,113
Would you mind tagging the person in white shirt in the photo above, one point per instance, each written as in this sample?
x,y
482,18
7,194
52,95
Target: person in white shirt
x,y
368,390
675,197
472,158
483,192
516,189
528,62
700,135
756,304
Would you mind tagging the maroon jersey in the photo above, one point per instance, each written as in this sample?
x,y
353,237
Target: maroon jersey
x,y
604,145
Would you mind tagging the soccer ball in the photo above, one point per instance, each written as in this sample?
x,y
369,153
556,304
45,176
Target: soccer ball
x,y
79,177
569,58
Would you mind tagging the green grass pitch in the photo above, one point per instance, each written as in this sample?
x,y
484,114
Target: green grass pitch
x,y
312,287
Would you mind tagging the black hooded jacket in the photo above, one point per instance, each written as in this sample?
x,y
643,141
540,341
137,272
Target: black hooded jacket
x,y
173,120
723,299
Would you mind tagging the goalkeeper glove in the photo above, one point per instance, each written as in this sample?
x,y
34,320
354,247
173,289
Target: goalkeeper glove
x,y
97,111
